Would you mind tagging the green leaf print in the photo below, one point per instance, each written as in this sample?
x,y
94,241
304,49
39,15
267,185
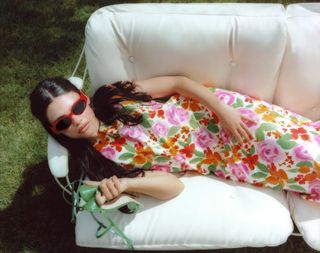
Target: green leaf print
x,y
175,169
212,127
199,154
196,160
252,151
278,187
183,144
244,152
263,128
146,166
285,141
161,159
173,130
227,147
259,175
193,122
262,167
146,123
249,106
291,181
212,168
296,187
126,156
293,170
162,140
314,133
199,115
239,103
129,148
294,119
304,164
189,140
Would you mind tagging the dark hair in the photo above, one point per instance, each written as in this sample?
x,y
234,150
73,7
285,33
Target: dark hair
x,y
106,106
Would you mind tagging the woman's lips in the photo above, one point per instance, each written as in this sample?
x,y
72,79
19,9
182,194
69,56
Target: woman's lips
x,y
84,128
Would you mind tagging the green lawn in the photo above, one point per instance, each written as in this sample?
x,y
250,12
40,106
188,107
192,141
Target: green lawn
x,y
40,39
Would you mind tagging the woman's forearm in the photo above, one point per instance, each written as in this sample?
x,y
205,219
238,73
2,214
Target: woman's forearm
x,y
200,92
161,187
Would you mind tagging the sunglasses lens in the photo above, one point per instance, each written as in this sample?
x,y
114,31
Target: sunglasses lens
x,y
63,124
79,107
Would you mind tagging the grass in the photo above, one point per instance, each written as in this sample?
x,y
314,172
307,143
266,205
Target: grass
x,y
41,39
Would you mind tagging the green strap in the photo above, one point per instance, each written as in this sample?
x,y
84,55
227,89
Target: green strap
x,y
119,232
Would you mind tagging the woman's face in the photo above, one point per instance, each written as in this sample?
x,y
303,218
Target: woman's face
x,y
84,125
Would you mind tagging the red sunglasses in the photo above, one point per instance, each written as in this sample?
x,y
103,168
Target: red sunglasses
x,y
65,121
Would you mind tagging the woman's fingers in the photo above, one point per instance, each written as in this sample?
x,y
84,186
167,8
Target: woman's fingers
x,y
117,183
91,183
108,189
104,189
247,130
100,199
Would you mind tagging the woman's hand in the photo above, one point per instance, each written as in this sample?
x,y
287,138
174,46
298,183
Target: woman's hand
x,y
232,121
110,188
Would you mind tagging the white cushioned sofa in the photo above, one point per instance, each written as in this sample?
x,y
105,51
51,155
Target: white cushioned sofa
x,y
264,50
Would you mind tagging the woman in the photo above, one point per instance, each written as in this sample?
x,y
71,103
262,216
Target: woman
x,y
128,140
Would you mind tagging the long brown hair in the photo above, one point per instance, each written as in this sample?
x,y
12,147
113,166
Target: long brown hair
x,y
105,104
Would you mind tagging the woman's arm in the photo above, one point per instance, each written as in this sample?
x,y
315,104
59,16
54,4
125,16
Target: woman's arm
x,y
158,184
230,119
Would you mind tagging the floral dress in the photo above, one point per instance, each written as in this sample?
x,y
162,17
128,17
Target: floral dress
x,y
182,134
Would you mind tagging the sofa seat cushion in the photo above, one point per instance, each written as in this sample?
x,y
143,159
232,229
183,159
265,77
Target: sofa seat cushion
x,y
306,215
210,213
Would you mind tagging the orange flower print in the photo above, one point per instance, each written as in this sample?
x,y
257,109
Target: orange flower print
x,y
300,132
192,104
251,161
211,158
118,143
277,176
188,150
160,113
152,114
261,109
269,117
143,155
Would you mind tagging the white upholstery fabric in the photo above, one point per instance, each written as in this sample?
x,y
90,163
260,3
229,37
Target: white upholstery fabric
x,y
307,219
209,214
299,82
236,46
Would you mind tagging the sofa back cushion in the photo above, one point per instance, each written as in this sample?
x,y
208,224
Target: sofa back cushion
x,y
299,81
238,47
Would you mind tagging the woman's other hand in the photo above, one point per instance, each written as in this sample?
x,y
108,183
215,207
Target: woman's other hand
x,y
233,122
110,188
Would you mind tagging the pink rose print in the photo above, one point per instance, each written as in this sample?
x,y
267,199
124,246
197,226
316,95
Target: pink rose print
x,y
133,133
220,174
177,115
162,167
155,105
204,139
317,139
180,158
250,114
240,171
269,151
108,153
226,97
315,124
301,153
160,129
314,188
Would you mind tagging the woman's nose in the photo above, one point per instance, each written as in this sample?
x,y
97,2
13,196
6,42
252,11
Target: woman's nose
x,y
77,119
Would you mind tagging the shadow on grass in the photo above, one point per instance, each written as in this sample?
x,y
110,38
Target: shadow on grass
x,y
38,220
